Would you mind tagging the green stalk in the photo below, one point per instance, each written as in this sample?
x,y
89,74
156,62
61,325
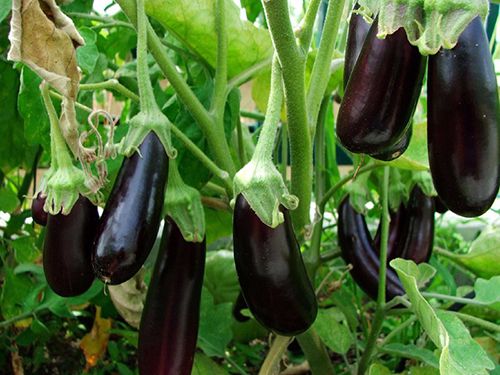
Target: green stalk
x,y
477,321
273,357
321,68
445,297
58,96
292,62
241,145
380,309
253,115
247,74
218,145
307,25
284,150
219,95
315,352
111,84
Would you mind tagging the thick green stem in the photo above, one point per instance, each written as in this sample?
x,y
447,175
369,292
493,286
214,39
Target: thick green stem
x,y
380,310
111,84
292,62
59,152
267,137
219,96
273,357
321,68
306,27
316,353
218,144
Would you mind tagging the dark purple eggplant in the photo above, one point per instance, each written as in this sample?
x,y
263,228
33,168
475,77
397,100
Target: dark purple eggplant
x,y
396,150
130,221
397,234
381,94
358,29
439,205
271,272
169,321
420,228
357,249
37,212
463,117
67,249
239,305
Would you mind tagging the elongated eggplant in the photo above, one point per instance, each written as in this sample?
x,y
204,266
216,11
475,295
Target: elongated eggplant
x,y
169,322
396,150
67,249
130,221
420,229
37,212
381,94
463,117
271,272
397,234
357,249
358,29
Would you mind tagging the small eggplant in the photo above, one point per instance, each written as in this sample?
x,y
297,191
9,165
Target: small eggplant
x,y
37,212
271,272
67,249
169,321
463,118
130,221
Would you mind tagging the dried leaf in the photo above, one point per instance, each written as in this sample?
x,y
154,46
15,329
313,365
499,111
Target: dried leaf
x,y
95,343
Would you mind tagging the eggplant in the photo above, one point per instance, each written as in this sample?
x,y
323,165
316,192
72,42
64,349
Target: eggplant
x,y
67,249
396,150
397,234
382,93
130,221
37,212
358,29
271,272
169,321
463,118
239,305
357,249
439,205
420,228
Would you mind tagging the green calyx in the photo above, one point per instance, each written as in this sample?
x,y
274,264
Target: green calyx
x,y
429,24
183,205
264,189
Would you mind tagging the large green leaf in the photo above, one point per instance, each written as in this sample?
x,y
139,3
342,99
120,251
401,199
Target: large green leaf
x,y
203,365
5,6
331,326
220,276
193,22
88,54
488,291
413,352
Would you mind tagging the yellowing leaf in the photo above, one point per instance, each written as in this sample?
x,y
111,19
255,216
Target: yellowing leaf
x,y
95,342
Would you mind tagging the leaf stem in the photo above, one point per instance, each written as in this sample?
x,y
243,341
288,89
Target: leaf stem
x,y
273,357
253,115
108,20
467,301
306,27
292,62
58,96
315,352
247,74
380,309
477,321
220,93
111,84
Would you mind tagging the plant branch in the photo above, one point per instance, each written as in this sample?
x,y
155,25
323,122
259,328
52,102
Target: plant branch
x,y
253,115
273,357
477,321
220,93
467,301
306,27
315,352
111,84
58,96
107,20
292,62
247,74
321,68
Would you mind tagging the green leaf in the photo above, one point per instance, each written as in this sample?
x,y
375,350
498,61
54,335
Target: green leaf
x,y
415,157
215,326
378,369
426,370
203,365
31,108
15,288
5,7
88,54
193,22
80,6
25,250
488,291
8,200
253,9
220,276
413,352
218,224
333,331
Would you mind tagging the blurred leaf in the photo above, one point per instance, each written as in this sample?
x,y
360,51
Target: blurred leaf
x,y
378,369
129,298
31,108
81,6
88,54
215,326
426,370
193,22
5,7
413,352
488,291
253,9
8,200
332,331
220,276
94,343
218,224
203,365
25,250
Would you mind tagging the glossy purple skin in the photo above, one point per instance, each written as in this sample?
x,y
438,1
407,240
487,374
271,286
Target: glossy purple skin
x,y
419,232
357,249
37,212
271,272
396,150
67,249
130,221
169,322
397,234
381,94
463,117
358,29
